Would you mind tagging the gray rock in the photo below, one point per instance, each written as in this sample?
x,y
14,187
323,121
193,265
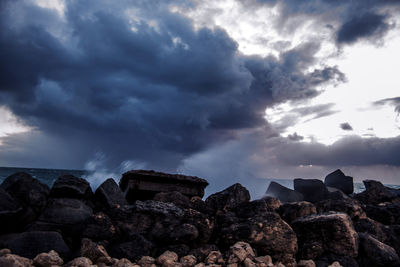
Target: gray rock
x,y
283,193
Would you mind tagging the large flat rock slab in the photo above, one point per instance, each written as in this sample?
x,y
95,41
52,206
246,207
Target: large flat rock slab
x,y
144,184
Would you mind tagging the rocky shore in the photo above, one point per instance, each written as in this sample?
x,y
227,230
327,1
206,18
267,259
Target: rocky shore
x,y
155,219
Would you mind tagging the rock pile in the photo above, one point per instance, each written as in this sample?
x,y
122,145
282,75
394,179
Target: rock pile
x,y
148,221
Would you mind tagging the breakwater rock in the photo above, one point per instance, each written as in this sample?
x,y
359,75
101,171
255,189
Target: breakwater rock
x,y
157,219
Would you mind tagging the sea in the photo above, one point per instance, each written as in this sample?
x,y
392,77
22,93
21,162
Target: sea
x,y
49,176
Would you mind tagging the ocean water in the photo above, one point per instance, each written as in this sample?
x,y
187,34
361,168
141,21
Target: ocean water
x,y
257,187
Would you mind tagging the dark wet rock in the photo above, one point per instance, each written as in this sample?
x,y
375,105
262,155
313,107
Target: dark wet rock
x,y
389,235
328,260
325,233
268,234
133,249
29,191
375,253
9,212
375,193
63,214
229,198
100,227
283,193
291,211
313,190
272,203
203,223
198,204
29,244
386,213
350,206
339,180
109,195
175,197
249,209
92,250
69,186
144,185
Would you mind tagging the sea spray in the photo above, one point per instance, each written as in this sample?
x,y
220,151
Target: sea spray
x,y
99,169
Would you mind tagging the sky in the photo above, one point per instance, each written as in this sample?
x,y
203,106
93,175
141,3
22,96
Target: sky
x,y
231,91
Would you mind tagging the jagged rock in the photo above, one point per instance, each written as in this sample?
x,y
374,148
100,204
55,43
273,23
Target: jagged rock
x,y
376,254
268,234
249,263
28,190
272,203
29,244
10,210
124,263
375,193
251,208
215,257
147,261
157,208
168,258
339,180
229,198
263,261
283,193
198,204
204,224
68,215
11,260
334,193
175,197
80,262
100,227
306,263
69,186
350,206
291,211
386,213
313,190
335,264
239,252
110,195
202,252
48,259
133,249
325,233
188,261
143,185
92,251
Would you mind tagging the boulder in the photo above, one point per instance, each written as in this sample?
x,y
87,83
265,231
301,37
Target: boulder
x,y
291,211
272,203
29,244
100,227
11,260
350,206
376,254
175,197
188,261
229,198
313,190
9,212
386,213
92,251
144,185
48,259
133,249
375,193
29,191
239,252
109,195
79,262
267,234
63,214
325,233
215,257
69,186
202,252
339,180
252,208
167,258
283,193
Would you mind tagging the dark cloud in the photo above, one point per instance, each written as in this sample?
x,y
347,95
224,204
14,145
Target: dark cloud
x,y
135,84
295,137
346,126
395,101
362,26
